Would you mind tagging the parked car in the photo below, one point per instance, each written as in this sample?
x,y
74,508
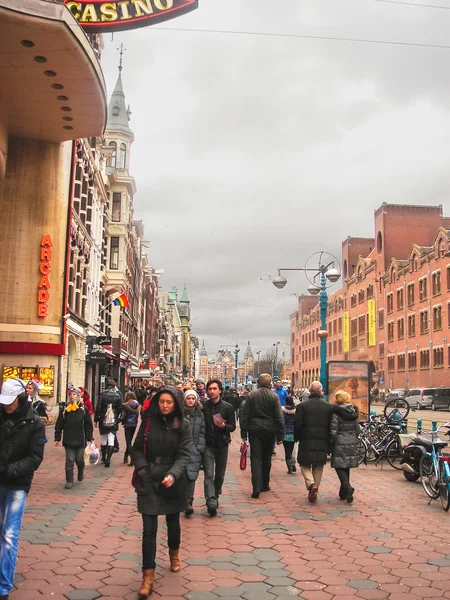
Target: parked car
x,y
395,394
420,398
441,399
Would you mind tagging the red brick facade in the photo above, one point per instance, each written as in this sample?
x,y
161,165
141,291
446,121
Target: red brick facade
x,y
405,271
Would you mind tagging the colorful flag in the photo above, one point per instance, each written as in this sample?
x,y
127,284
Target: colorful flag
x,y
121,300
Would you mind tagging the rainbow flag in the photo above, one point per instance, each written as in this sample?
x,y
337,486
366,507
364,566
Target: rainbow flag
x,y
121,300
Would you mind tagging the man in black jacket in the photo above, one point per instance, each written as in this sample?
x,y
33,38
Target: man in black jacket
x,y
311,431
22,436
220,421
262,421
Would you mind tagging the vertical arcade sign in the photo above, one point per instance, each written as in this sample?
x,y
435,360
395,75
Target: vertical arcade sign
x,y
100,16
45,268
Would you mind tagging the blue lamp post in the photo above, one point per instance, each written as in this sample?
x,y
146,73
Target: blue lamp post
x,y
325,270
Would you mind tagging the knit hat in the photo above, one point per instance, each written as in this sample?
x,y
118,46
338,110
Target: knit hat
x,y
199,381
77,392
191,393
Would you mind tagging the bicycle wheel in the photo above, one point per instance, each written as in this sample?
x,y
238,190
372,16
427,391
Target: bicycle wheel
x,y
396,409
444,490
362,450
428,476
394,453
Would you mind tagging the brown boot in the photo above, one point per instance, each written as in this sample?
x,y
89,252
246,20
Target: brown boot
x,y
148,579
174,560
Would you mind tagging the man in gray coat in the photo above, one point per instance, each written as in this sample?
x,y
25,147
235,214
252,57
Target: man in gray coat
x,y
263,423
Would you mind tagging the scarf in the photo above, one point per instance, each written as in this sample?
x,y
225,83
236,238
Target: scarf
x,y
72,407
189,411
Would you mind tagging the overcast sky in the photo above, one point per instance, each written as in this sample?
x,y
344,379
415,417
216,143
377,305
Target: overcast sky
x,y
253,152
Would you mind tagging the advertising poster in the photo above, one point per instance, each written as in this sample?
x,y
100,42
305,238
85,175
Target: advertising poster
x,y
11,373
29,373
47,381
352,377
372,323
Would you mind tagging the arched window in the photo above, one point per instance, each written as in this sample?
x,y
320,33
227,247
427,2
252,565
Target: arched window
x,y
113,145
123,156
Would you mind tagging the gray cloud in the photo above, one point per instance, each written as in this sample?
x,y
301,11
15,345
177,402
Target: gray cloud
x,y
253,152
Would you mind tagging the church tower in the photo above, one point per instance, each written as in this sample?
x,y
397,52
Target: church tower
x,y
249,361
203,372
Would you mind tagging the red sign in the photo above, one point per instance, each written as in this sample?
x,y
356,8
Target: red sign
x,y
98,15
45,269
152,364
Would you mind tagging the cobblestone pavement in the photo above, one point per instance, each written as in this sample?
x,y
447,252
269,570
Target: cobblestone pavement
x,y
84,543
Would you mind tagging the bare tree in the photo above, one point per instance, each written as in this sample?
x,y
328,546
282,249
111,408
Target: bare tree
x,y
267,363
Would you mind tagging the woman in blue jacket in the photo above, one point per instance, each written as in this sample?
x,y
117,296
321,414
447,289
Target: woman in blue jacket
x,y
289,417
193,413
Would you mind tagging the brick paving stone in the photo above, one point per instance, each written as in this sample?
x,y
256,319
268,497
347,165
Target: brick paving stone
x,y
276,547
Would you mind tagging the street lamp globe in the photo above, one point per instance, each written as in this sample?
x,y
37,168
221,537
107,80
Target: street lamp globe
x,y
279,281
313,290
333,275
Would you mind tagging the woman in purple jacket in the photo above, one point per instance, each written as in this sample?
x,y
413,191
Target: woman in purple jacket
x,y
129,418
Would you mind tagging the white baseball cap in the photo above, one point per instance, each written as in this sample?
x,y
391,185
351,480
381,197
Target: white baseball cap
x,y
11,388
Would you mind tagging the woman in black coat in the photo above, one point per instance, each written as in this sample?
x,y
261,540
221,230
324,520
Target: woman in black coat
x,y
344,432
75,425
107,413
160,454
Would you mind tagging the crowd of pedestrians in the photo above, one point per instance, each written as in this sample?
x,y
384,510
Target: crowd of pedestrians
x,y
180,431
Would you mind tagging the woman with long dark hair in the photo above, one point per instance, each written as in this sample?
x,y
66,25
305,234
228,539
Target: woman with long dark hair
x,y
160,454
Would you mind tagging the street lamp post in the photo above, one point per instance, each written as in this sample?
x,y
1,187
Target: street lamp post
x,y
276,360
257,364
236,352
325,270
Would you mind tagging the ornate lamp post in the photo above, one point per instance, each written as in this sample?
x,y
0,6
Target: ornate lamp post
x,y
325,270
236,353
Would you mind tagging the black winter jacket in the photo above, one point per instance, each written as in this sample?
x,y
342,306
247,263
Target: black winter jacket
x,y
344,431
312,430
217,437
21,446
168,452
262,415
77,427
109,396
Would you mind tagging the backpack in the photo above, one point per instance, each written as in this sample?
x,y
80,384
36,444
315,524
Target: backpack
x,y
110,417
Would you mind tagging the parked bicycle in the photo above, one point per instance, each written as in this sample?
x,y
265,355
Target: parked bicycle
x,y
380,439
435,469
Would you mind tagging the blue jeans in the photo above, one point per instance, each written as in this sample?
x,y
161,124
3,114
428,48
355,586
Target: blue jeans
x,y
12,507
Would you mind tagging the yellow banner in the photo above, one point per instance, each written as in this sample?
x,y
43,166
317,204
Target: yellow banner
x,y
346,332
372,322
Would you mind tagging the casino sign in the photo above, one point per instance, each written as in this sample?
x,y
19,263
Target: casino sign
x,y
100,16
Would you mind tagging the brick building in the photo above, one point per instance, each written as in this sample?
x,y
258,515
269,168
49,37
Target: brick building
x,y
393,307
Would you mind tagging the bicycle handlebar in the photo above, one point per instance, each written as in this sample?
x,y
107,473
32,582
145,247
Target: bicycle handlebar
x,y
445,425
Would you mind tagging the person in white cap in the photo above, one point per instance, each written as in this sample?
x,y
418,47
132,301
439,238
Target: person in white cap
x,y
22,435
